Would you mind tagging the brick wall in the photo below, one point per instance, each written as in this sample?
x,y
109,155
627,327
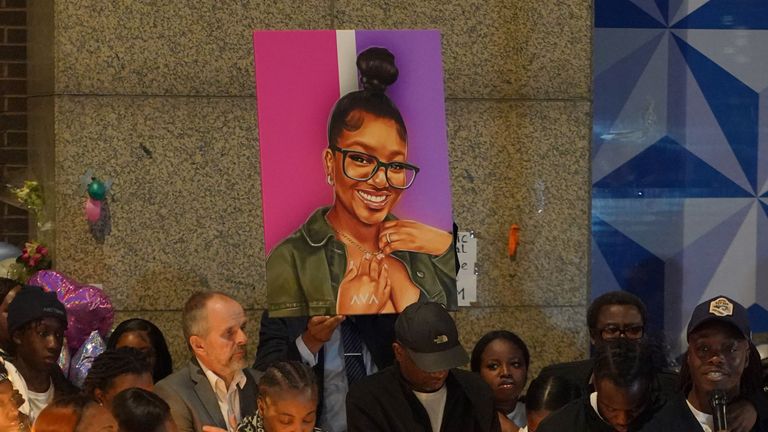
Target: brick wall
x,y
13,111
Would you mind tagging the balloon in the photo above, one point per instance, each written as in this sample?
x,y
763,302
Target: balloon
x,y
83,359
88,307
92,210
8,250
97,190
64,359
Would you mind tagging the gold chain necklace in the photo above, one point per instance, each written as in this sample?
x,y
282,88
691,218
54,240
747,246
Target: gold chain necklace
x,y
355,243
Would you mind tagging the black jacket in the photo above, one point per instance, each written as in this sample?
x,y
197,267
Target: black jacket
x,y
579,416
576,416
677,416
384,402
277,342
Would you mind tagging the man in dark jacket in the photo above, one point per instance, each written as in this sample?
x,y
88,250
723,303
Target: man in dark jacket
x,y
623,399
423,391
721,367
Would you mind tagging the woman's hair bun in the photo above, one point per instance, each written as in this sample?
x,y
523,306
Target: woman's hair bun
x,y
377,69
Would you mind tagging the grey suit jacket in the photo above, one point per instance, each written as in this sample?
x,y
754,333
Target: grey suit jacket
x,y
193,402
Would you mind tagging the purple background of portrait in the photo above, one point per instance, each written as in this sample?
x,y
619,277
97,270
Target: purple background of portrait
x,y
293,181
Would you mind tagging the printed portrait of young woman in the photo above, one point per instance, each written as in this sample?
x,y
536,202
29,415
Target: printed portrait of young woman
x,y
354,255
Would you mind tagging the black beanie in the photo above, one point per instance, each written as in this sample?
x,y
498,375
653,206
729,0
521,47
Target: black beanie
x,y
33,303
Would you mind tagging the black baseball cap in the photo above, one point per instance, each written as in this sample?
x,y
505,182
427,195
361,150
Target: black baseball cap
x,y
723,309
428,333
33,303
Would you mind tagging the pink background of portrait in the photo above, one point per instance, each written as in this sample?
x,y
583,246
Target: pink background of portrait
x,y
297,83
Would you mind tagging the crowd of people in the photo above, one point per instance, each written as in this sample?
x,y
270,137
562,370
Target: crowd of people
x,y
399,372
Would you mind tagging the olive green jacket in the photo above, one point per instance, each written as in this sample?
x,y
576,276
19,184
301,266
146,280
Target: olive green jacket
x,y
304,271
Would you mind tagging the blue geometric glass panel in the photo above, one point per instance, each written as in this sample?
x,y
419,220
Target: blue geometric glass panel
x,y
680,155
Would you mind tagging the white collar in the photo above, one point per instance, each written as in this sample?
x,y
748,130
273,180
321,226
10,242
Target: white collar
x,y
218,384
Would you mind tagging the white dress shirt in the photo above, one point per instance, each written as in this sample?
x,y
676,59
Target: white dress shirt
x,y
228,398
335,386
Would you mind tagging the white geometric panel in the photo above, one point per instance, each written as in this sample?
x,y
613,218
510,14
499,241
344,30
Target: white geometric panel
x,y
664,226
649,7
743,53
701,134
642,120
613,44
762,145
602,276
736,276
700,215
683,8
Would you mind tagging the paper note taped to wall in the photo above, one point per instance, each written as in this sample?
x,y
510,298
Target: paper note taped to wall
x,y
466,279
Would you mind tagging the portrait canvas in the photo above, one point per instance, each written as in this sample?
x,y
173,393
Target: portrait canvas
x,y
354,166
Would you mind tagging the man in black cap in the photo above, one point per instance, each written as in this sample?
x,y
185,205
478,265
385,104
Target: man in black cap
x,y
423,391
721,367
36,324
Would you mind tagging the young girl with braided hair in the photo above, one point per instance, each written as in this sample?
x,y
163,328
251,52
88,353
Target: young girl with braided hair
x,y
287,401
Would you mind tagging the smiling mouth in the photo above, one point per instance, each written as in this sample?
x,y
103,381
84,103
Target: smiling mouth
x,y
715,375
374,199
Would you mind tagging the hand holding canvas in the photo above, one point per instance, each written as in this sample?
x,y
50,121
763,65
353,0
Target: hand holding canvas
x,y
319,331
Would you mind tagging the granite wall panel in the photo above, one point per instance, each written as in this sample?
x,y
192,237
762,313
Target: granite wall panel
x,y
524,163
158,96
168,47
184,204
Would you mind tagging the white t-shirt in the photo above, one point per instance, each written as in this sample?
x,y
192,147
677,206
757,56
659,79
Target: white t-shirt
x,y
434,404
38,401
707,421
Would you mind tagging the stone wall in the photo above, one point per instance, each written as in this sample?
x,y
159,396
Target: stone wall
x,y
14,221
159,96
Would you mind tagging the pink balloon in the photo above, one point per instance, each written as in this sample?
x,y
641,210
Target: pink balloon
x,y
88,307
92,210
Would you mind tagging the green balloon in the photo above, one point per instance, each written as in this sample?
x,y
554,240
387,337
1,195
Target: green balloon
x,y
97,190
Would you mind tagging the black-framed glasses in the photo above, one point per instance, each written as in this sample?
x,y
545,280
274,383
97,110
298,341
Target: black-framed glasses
x,y
614,332
362,167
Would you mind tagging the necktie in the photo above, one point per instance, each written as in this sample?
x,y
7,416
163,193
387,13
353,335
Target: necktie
x,y
353,351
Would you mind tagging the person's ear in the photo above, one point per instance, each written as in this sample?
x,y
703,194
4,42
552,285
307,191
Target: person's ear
x,y
593,336
197,344
98,394
398,350
747,354
261,404
328,161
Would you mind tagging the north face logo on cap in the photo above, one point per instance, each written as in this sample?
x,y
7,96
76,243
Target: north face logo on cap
x,y
721,307
441,339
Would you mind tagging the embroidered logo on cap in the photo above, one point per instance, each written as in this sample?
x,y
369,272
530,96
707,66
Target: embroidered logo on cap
x,y
721,307
441,339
